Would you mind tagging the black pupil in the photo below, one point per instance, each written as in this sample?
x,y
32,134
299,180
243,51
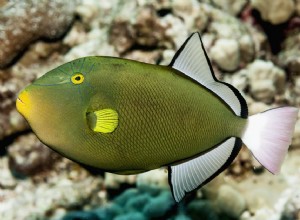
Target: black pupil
x,y
77,78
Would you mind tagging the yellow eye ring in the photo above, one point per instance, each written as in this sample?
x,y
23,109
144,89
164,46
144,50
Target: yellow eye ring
x,y
77,78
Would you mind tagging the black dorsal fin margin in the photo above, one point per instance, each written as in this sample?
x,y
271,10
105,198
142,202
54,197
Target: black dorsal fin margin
x,y
243,104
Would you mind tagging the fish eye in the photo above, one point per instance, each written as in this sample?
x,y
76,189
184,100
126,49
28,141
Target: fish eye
x,y
77,78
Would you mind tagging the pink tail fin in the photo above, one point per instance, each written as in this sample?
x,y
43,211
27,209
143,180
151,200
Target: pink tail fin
x,y
268,136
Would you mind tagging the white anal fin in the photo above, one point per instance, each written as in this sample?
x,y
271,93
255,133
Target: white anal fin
x,y
190,175
192,60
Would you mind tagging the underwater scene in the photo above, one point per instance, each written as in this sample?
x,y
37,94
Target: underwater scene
x,y
117,110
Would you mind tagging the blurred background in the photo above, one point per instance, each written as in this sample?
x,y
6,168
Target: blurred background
x,y
253,44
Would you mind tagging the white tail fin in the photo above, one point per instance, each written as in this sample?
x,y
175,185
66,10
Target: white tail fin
x,y
268,136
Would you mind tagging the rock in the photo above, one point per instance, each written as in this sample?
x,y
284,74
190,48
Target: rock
x,y
274,11
296,136
225,53
28,156
257,107
131,216
239,80
122,36
150,32
156,178
146,31
233,7
122,199
176,30
7,181
182,217
261,214
108,211
3,2
291,61
137,203
192,13
96,45
263,90
228,29
298,7
292,205
289,57
247,49
230,201
293,94
266,191
201,209
114,181
76,36
80,215
220,26
134,203
144,56
266,80
210,190
92,12
167,57
10,120
184,7
57,190
160,6
242,165
159,206
288,204
25,22
285,208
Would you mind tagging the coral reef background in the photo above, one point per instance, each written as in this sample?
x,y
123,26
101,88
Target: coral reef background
x,y
253,44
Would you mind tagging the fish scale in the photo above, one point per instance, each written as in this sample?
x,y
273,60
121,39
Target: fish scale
x,y
171,128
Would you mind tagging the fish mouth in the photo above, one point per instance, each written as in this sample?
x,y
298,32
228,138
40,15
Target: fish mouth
x,y
23,103
20,100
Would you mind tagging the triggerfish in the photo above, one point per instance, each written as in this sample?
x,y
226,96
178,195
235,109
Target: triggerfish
x,y
129,117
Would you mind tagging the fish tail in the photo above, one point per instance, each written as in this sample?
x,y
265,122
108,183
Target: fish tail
x,y
269,134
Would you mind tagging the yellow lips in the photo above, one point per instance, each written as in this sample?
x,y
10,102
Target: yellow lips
x,y
23,103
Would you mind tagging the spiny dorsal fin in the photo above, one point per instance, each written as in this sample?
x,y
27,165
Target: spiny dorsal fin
x,y
103,121
190,175
192,60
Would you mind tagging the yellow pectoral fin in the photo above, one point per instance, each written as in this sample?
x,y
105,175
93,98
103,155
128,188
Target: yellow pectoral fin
x,y
103,121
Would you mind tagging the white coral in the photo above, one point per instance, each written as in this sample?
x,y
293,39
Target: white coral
x,y
266,80
274,11
226,54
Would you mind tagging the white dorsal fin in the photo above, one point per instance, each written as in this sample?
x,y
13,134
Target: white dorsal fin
x,y
192,60
190,175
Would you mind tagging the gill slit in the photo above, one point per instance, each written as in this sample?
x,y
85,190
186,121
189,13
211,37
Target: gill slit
x,y
80,93
80,69
91,68
72,67
63,71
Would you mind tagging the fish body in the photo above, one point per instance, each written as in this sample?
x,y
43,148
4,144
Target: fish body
x,y
128,117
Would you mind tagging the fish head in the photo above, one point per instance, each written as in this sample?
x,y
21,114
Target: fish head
x,y
55,104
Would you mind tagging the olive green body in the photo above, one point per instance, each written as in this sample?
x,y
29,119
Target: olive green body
x,y
164,117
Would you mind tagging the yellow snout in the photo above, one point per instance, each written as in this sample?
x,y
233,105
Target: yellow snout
x,y
23,103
